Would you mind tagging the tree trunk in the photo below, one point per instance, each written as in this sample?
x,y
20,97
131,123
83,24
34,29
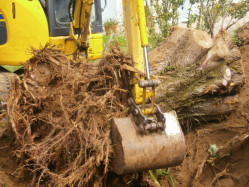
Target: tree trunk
x,y
200,77
182,47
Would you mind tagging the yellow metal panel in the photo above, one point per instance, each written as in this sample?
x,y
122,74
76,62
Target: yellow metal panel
x,y
26,27
64,43
134,42
95,50
68,45
142,22
82,16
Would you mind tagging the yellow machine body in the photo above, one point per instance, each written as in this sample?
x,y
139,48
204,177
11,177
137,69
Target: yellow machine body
x,y
95,50
134,44
142,142
27,27
68,45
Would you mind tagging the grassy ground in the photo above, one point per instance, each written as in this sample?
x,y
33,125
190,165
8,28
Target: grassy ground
x,y
121,39
11,68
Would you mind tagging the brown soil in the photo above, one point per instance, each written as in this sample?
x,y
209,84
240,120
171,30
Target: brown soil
x,y
243,34
8,163
60,110
230,168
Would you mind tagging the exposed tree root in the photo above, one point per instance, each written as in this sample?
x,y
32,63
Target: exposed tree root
x,y
221,174
234,144
60,112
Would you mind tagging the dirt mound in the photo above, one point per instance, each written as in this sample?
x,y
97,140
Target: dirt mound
x,y
60,112
7,159
230,166
243,34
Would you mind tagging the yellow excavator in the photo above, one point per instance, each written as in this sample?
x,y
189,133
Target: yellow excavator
x,y
149,138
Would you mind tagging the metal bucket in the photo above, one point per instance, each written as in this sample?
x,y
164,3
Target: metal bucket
x,y
135,152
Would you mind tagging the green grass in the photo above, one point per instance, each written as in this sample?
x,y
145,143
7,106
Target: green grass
x,y
121,39
11,68
154,41
156,173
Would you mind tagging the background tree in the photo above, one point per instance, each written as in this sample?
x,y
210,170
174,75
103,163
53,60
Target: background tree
x,y
164,13
210,12
235,12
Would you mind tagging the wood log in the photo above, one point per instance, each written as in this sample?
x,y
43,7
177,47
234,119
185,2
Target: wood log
x,y
182,47
216,56
202,85
225,37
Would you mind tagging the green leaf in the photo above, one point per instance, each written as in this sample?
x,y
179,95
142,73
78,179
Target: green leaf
x,y
213,149
154,177
160,172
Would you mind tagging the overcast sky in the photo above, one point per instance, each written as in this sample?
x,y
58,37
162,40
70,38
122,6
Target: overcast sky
x,y
183,13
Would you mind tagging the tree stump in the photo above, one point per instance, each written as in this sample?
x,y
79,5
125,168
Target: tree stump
x,y
200,77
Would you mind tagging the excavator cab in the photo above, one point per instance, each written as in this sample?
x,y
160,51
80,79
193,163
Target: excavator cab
x,y
59,14
26,24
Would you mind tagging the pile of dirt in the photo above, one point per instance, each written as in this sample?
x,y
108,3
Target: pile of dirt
x,y
229,166
243,34
60,112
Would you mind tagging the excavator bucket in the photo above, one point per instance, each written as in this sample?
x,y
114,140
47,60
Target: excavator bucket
x,y
136,152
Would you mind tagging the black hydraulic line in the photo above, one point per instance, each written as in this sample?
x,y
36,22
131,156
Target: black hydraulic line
x,y
81,6
69,10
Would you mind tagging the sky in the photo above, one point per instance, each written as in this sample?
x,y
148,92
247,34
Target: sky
x,y
114,10
183,13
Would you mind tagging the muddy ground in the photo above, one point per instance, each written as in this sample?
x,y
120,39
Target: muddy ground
x,y
230,167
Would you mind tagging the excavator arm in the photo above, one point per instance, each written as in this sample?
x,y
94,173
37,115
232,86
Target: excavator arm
x,y
149,138
80,20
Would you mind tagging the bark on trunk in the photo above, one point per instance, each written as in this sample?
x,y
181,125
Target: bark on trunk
x,y
200,77
181,48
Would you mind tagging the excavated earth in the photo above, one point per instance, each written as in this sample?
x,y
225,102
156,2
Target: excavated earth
x,y
229,167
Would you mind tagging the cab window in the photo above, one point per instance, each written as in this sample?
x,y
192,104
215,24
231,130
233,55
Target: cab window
x,y
3,30
61,13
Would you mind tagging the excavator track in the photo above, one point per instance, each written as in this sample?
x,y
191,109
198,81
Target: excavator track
x,y
6,79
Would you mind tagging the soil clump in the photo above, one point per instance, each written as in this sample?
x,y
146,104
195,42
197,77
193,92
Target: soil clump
x,y
60,111
229,166
105,93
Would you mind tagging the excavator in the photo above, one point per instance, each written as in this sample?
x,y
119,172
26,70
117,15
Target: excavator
x,y
148,138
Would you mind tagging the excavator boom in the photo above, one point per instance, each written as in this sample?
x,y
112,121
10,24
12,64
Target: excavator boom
x,y
147,138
